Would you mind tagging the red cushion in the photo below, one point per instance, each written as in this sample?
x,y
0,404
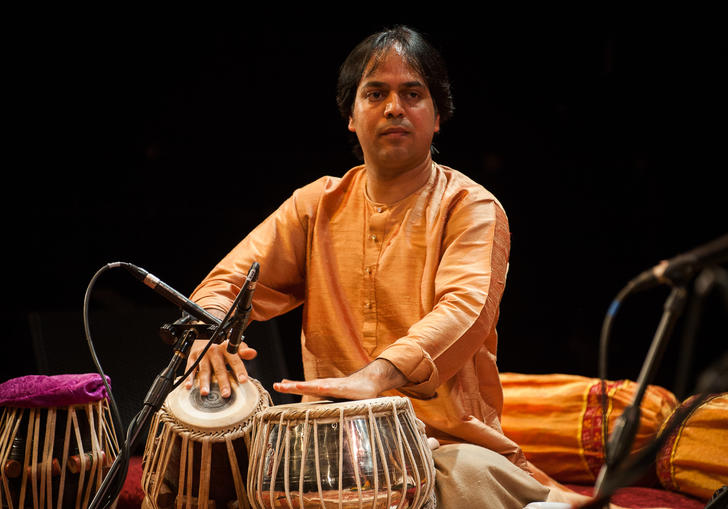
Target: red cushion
x,y
636,497
633,497
132,495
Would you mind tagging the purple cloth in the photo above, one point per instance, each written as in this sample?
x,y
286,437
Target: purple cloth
x,y
52,391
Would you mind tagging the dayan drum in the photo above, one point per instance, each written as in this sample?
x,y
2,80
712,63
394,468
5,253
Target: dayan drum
x,y
357,454
196,454
57,440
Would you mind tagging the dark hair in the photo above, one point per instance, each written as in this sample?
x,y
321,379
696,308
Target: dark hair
x,y
418,53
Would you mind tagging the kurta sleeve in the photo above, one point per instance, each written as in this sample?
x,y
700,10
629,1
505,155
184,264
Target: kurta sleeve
x,y
469,282
278,244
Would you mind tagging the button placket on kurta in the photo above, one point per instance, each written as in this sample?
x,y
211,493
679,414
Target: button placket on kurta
x,y
373,245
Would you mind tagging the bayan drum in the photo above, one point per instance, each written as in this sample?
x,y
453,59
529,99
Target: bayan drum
x,y
357,454
57,440
196,455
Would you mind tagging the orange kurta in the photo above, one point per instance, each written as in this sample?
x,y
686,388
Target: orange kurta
x,y
417,282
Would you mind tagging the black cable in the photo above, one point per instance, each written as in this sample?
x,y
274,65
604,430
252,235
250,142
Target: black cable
x,y
603,356
124,448
119,480
113,490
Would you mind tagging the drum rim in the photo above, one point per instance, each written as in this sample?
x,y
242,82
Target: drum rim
x,y
329,409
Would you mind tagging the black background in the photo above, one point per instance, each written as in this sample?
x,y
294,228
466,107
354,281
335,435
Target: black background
x,y
163,143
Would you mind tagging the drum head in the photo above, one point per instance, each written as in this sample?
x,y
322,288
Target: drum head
x,y
213,412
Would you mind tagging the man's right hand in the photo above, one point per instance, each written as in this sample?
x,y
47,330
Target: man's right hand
x,y
215,363
369,382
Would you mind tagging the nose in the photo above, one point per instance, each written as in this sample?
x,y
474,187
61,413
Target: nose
x,y
393,107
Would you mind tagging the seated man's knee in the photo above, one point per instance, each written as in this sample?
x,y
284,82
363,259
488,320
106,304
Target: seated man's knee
x,y
470,474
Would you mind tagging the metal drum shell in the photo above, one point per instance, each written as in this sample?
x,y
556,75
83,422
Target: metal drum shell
x,y
381,458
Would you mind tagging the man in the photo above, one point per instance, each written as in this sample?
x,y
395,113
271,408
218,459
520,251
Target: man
x,y
401,265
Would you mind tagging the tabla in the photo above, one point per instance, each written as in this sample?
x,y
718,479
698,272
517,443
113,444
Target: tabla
x,y
55,457
196,454
357,454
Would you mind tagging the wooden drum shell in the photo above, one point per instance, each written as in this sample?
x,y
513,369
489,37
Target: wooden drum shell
x,y
195,464
55,456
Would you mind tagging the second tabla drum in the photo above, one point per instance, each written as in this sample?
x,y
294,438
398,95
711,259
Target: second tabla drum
x,y
356,454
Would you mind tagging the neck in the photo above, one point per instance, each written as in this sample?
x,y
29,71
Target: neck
x,y
390,186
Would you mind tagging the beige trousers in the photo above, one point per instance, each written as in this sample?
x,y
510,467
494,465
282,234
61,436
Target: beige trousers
x,y
473,477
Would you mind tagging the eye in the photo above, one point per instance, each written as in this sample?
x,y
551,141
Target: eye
x,y
374,95
412,96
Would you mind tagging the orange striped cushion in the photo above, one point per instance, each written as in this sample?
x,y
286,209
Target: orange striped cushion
x,y
694,460
557,420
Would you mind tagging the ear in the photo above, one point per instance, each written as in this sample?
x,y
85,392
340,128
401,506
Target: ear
x,y
437,123
351,124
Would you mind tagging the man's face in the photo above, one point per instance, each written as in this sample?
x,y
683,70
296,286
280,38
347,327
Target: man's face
x,y
394,116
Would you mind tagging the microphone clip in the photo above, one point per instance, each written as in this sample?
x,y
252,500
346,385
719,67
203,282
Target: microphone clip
x,y
172,332
242,307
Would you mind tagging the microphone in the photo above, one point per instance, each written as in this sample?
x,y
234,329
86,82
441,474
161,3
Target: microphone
x,y
168,293
682,267
243,307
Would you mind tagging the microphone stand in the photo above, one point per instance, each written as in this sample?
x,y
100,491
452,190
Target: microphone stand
x,y
617,470
164,382
625,429
631,470
153,401
620,469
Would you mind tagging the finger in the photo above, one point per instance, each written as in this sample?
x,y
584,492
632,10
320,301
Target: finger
x,y
219,368
203,375
191,377
339,388
198,347
320,388
246,352
191,358
238,367
288,387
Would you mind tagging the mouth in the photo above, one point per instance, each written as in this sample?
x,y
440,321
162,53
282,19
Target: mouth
x,y
394,132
